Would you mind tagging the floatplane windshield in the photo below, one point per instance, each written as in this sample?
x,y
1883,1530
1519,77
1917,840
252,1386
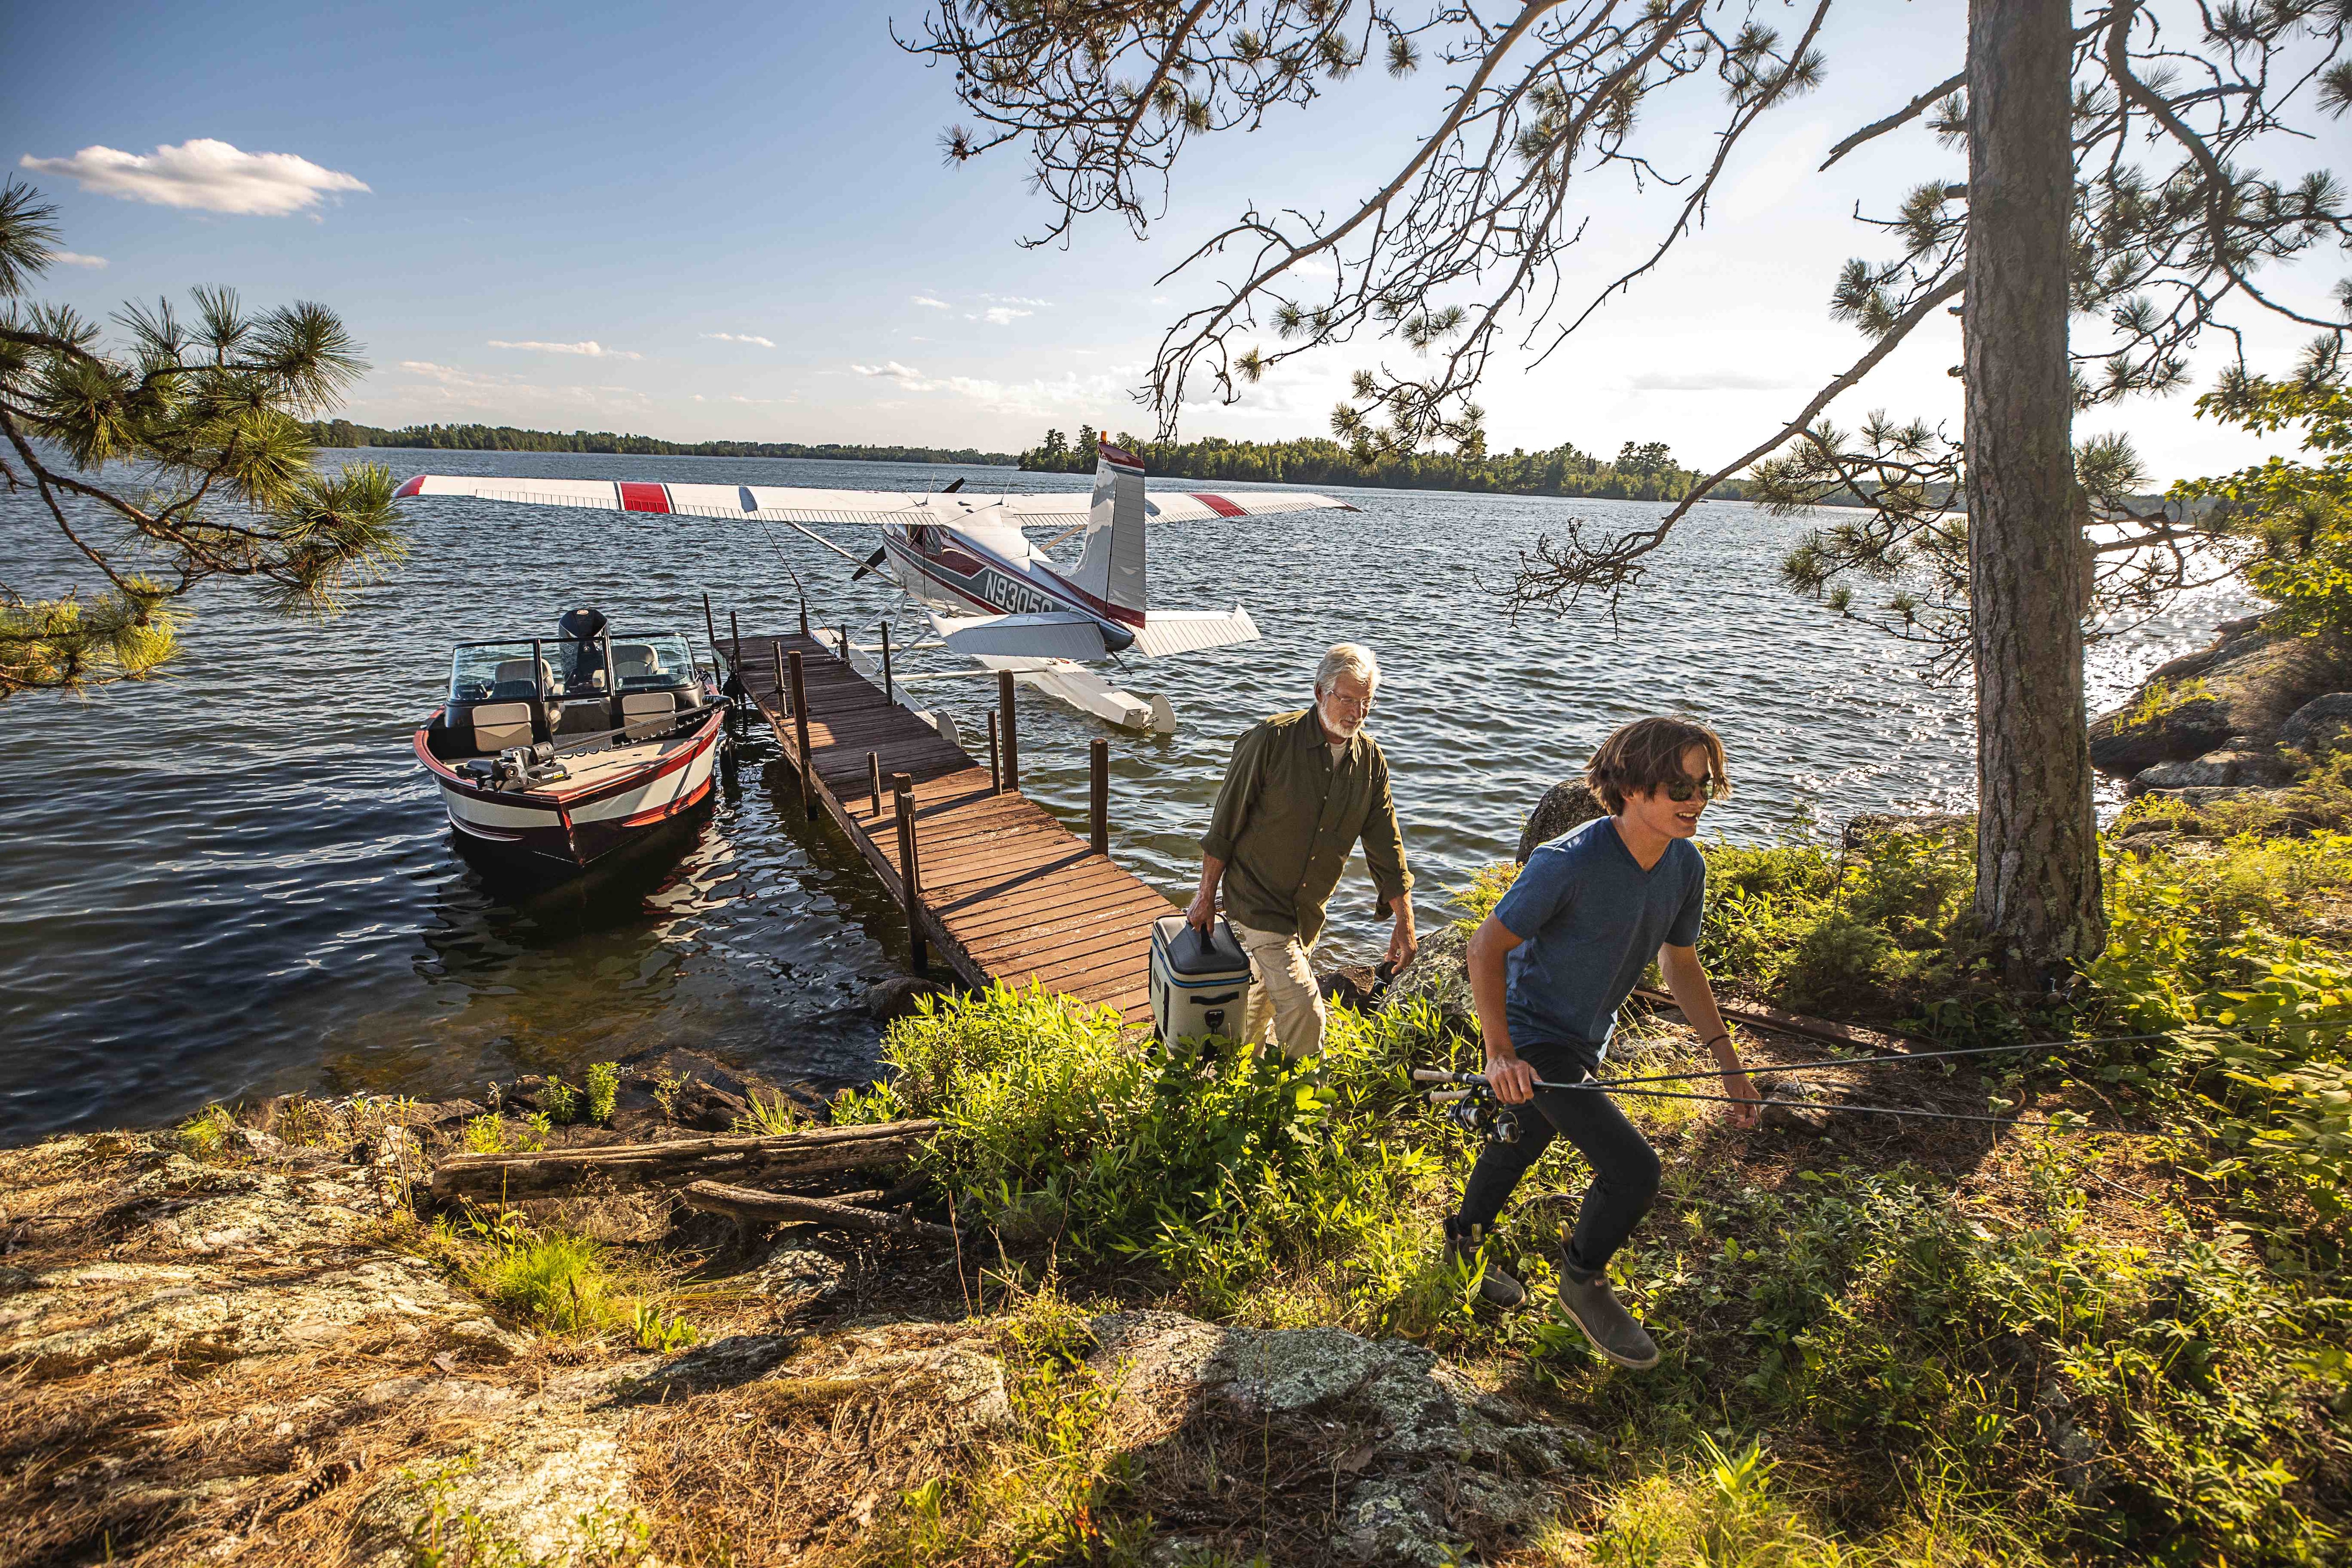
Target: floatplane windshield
x,y
989,592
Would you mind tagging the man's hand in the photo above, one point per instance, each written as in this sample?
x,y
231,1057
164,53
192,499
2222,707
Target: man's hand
x,y
1402,942
1201,913
1513,1081
1747,1112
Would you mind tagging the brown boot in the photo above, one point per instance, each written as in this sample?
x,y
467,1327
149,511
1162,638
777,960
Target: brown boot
x,y
1466,1247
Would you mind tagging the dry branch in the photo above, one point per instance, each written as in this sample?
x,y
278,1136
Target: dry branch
x,y
744,1203
678,1162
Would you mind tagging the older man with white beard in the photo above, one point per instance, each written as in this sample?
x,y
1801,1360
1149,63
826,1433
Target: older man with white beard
x,y
1301,790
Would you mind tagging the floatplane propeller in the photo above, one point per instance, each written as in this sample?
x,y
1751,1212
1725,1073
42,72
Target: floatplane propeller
x,y
989,592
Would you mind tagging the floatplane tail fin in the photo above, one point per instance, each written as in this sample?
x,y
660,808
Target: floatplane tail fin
x,y
1110,565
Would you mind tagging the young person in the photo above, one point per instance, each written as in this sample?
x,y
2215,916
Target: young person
x,y
1550,969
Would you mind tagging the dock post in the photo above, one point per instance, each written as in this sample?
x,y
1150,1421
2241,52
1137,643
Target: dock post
x,y
777,647
735,652
1098,793
711,627
887,698
845,646
804,616
874,778
911,870
1009,782
995,767
801,763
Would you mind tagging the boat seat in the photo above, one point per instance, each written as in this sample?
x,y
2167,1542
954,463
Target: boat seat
x,y
512,679
647,713
497,725
582,716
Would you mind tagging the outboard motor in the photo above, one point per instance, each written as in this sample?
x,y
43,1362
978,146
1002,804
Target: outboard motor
x,y
585,627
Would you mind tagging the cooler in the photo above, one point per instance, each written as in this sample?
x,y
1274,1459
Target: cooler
x,y
1199,986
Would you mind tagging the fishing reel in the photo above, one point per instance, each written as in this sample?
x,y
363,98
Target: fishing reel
x,y
1474,1108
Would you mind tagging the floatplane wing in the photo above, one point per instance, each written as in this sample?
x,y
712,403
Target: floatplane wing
x,y
783,504
991,592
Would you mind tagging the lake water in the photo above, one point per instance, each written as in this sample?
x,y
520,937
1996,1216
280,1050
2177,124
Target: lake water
x,y
236,881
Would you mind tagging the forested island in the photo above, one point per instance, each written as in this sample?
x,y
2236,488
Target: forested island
x,y
1641,470
507,438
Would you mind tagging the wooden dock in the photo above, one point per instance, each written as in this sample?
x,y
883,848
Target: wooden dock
x,y
1004,890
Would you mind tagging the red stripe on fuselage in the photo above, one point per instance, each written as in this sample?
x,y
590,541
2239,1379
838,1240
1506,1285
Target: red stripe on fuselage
x,y
1217,504
636,497
413,486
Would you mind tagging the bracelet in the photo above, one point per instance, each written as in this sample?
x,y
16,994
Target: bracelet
x,y
1724,1035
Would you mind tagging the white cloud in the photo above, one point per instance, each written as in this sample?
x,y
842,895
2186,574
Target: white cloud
x,y
999,315
1018,300
925,300
592,348
1707,381
905,375
75,258
203,175
742,338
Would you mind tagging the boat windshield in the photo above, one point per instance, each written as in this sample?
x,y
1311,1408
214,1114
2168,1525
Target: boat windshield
x,y
501,671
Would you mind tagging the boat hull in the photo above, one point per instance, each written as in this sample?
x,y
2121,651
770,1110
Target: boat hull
x,y
555,831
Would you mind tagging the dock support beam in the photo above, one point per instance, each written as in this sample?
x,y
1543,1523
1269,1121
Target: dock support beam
x,y
735,630
1009,780
711,627
874,779
911,873
1098,793
887,698
784,692
801,763
995,762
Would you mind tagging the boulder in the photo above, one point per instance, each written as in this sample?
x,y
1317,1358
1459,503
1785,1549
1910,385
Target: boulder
x,y
1567,805
896,997
2322,725
1431,1466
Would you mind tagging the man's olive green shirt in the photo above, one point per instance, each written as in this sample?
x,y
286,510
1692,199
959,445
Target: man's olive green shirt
x,y
1287,817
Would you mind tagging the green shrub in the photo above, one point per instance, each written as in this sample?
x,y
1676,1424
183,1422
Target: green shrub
x,y
559,1100
558,1280
2158,699
1058,1131
604,1091
486,1134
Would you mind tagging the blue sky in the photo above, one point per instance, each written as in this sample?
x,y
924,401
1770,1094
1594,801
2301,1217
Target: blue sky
x,y
564,208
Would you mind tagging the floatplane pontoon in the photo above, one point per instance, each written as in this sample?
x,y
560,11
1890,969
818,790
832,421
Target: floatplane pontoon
x,y
987,591
553,753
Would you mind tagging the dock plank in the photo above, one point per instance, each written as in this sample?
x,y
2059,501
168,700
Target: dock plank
x,y
1006,892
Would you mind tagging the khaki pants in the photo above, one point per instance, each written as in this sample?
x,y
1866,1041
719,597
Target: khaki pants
x,y
1285,1008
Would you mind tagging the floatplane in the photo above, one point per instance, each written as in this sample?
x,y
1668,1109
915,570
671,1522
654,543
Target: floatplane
x,y
989,592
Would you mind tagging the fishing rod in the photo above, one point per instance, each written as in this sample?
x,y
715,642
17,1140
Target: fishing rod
x,y
1828,1062
1478,1110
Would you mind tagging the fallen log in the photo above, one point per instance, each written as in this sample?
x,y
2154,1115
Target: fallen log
x,y
679,1161
768,1208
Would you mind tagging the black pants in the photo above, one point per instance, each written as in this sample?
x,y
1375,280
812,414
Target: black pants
x,y
1624,1166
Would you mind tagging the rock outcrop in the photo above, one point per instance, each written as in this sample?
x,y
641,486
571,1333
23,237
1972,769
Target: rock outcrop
x,y
1431,1468
2223,711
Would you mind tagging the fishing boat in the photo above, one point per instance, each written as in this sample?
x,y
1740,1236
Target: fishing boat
x,y
553,753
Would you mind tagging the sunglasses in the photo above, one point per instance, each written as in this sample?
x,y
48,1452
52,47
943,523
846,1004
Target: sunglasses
x,y
1684,788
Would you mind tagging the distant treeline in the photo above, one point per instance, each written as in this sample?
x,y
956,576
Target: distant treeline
x,y
1640,471
507,438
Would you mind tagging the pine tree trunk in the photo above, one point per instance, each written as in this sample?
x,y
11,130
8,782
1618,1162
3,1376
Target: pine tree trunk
x,y
2037,843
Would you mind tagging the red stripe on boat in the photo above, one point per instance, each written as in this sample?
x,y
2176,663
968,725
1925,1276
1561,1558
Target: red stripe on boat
x,y
1218,504
413,486
643,497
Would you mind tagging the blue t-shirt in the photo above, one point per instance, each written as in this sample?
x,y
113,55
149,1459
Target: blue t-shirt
x,y
1590,920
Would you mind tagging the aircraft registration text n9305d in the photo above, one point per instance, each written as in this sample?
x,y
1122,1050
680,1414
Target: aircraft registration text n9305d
x,y
1016,598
